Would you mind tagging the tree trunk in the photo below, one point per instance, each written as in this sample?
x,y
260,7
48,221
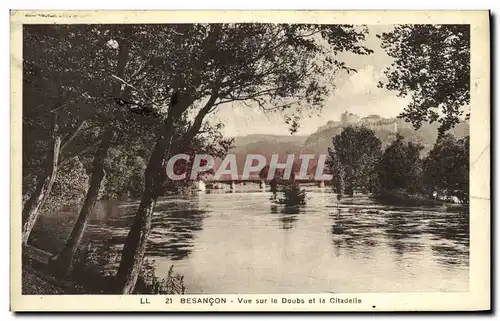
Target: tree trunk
x,y
32,207
63,261
135,244
349,181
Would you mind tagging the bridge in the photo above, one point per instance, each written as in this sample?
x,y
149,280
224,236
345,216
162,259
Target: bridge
x,y
258,181
221,183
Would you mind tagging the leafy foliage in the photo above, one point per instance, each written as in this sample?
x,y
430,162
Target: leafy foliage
x,y
446,169
293,195
400,175
271,66
338,175
71,68
352,160
432,66
143,81
94,269
69,188
124,173
210,142
400,167
150,283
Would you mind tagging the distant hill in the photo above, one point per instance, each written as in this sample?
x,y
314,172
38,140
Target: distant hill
x,y
319,142
244,140
425,135
268,145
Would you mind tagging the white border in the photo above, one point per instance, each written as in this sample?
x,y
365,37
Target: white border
x,y
479,4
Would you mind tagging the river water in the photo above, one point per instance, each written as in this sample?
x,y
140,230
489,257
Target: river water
x,y
240,242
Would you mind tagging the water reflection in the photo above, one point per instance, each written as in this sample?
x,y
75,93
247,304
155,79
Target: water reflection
x,y
452,233
173,232
353,230
359,229
173,226
411,248
288,215
403,231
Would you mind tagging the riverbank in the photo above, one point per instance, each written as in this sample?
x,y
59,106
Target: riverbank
x,y
37,282
404,198
38,277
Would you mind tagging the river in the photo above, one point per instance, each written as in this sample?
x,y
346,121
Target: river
x,y
240,242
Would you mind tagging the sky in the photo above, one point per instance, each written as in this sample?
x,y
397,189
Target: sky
x,y
356,93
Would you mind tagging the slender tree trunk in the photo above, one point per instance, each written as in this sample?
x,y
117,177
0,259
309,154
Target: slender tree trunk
x,y
63,261
32,207
135,244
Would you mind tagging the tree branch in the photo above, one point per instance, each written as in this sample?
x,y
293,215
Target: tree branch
x,y
64,160
135,88
198,121
60,106
251,96
73,135
283,106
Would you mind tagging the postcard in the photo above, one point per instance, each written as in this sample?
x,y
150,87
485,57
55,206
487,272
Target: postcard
x,y
250,161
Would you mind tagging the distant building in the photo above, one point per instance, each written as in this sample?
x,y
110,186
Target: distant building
x,y
373,122
371,119
389,125
348,118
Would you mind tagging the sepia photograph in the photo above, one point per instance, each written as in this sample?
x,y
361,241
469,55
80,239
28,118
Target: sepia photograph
x,y
248,157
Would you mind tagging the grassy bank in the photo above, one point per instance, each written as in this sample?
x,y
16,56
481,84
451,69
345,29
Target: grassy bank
x,y
399,197
89,276
38,279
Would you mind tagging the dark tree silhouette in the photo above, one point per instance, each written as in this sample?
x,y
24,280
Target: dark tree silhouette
x,y
353,158
446,168
432,66
272,66
400,167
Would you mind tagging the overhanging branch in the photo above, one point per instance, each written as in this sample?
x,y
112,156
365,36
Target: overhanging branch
x,y
73,135
136,89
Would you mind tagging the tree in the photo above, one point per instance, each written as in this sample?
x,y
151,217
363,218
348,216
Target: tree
x,y
133,113
356,151
432,66
210,142
68,108
63,260
446,168
293,195
124,169
272,66
133,123
400,168
54,112
69,187
338,174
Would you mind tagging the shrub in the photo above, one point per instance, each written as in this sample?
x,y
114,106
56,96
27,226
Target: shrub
x,y
70,186
293,195
95,265
149,283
